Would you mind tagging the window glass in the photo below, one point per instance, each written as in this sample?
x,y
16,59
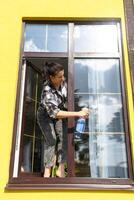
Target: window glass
x,y
101,155
34,37
27,154
97,76
32,137
104,133
95,38
106,111
45,38
31,86
57,38
31,155
30,101
33,140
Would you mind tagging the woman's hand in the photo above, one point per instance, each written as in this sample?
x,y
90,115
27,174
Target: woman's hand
x,y
84,113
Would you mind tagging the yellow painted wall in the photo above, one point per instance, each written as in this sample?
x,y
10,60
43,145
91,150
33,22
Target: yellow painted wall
x,y
11,14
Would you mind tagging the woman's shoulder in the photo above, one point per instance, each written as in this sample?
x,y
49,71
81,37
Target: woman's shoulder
x,y
47,88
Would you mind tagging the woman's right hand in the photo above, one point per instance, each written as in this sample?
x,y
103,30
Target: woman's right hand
x,y
84,113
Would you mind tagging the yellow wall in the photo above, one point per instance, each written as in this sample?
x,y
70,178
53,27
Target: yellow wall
x,y
11,14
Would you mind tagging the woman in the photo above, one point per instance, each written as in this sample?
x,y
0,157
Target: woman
x,y
52,114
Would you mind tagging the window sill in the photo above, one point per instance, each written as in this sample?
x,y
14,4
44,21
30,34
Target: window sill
x,y
62,184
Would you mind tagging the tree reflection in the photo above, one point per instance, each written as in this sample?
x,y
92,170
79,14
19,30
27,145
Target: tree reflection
x,y
103,131
116,124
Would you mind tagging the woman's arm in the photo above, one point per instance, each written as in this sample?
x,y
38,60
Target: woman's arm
x,y
68,114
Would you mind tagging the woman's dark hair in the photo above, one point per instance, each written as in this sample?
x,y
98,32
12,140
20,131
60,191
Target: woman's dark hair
x,y
51,69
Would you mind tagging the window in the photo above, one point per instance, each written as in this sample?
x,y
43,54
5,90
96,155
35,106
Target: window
x,y
92,58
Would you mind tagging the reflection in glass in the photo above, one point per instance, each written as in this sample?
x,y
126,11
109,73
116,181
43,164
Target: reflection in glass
x,y
97,76
95,38
110,113
31,83
101,156
57,38
27,154
107,156
32,137
34,37
98,87
45,38
106,112
82,157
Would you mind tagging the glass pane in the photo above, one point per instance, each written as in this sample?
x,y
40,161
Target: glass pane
x,y
45,38
105,146
98,87
92,155
110,113
31,83
57,38
82,168
34,37
106,112
29,117
89,101
97,76
27,154
95,38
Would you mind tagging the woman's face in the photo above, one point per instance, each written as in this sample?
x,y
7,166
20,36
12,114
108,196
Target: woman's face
x,y
57,79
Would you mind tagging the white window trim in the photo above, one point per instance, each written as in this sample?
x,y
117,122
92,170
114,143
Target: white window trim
x,y
19,124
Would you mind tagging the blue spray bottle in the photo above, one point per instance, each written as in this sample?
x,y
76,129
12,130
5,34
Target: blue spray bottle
x,y
80,126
